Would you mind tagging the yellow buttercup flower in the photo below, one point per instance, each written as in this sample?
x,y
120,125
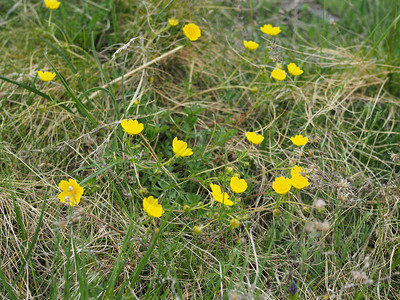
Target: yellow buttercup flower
x,y
254,138
52,4
296,170
219,196
238,185
294,69
71,192
282,185
132,126
173,22
192,31
270,30
180,148
299,181
278,74
299,140
152,208
46,76
250,45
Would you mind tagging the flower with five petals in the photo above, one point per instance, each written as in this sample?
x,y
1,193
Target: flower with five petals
x,y
52,4
46,76
152,207
238,185
132,126
219,196
71,192
254,138
180,148
192,31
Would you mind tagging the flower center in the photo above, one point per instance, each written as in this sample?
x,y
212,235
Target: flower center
x,y
70,188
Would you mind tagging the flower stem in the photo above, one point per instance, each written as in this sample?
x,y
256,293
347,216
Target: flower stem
x,y
50,17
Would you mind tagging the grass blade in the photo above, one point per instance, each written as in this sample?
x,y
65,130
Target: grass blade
x,y
34,240
135,275
27,87
35,91
80,106
7,286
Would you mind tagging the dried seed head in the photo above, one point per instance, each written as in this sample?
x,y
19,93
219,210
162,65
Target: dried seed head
x,y
343,184
62,224
319,204
322,226
395,157
360,276
343,197
309,228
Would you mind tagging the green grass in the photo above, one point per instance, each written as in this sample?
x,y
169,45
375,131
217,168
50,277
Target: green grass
x,y
208,93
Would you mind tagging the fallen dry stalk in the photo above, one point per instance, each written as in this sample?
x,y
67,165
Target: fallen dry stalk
x,y
116,80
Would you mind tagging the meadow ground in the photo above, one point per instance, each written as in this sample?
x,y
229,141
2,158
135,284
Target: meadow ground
x,y
335,238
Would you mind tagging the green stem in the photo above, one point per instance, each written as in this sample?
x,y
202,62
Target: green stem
x,y
168,161
50,18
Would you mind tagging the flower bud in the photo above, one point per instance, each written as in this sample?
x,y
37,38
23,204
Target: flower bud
x,y
254,89
197,230
143,191
229,170
276,212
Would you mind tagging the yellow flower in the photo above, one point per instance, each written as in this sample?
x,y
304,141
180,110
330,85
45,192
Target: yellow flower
x,y
296,170
238,185
235,223
219,196
173,22
278,74
270,30
299,140
192,31
250,45
136,102
180,148
254,138
299,181
132,126
52,4
71,192
282,185
152,208
46,76
294,69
